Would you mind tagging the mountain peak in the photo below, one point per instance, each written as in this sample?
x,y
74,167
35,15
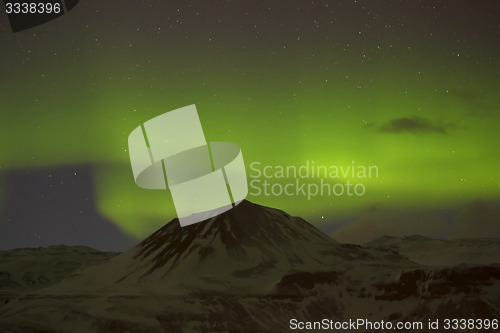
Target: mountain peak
x,y
223,252
245,226
416,237
249,236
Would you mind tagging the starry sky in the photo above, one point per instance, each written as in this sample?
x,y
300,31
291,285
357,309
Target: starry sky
x,y
408,86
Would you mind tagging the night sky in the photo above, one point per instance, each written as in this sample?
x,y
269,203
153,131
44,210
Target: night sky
x,y
409,86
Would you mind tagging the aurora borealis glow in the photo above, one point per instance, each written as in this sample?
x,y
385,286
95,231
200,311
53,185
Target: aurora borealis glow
x,y
409,86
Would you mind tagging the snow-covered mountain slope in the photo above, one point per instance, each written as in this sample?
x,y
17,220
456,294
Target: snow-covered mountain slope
x,y
437,252
35,268
247,249
253,269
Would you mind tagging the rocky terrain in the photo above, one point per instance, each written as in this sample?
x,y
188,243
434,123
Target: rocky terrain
x,y
251,269
438,252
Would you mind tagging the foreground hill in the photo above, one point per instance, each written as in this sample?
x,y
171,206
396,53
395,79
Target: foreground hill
x,y
35,268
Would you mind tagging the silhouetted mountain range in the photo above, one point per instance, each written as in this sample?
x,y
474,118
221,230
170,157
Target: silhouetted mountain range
x,y
251,269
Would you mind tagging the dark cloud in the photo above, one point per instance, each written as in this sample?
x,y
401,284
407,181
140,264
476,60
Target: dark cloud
x,y
377,221
474,101
478,219
465,94
413,125
55,206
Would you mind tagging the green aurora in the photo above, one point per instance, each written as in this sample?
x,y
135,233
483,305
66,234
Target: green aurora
x,y
419,102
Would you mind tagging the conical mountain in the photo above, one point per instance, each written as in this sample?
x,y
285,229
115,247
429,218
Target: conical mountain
x,y
248,248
